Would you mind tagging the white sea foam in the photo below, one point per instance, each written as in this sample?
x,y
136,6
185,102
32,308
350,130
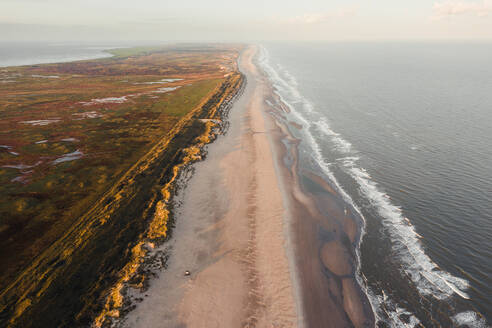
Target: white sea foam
x,y
341,144
317,156
279,83
290,78
469,319
292,92
427,276
396,316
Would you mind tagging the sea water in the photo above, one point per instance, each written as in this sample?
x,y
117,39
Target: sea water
x,y
30,53
403,131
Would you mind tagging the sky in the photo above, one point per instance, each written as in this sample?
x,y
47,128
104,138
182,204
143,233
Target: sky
x,y
247,20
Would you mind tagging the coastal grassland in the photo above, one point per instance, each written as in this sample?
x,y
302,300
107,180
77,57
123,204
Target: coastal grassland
x,y
89,152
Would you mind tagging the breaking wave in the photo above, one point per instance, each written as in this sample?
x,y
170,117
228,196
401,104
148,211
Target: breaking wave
x,y
429,279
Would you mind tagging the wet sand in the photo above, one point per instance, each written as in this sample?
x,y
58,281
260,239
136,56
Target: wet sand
x,y
325,233
267,244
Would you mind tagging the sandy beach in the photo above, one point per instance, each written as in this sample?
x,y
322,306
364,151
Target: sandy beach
x,y
229,234
249,235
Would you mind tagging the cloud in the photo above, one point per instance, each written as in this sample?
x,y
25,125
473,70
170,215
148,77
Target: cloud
x,y
316,18
460,8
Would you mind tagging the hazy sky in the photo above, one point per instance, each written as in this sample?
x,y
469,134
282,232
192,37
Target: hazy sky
x,y
245,20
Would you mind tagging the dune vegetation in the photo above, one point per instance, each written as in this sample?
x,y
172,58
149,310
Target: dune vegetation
x,y
89,154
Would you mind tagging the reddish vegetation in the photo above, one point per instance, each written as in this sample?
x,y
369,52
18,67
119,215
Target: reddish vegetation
x,y
45,119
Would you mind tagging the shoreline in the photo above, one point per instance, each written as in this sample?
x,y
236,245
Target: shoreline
x,y
326,234
248,231
102,53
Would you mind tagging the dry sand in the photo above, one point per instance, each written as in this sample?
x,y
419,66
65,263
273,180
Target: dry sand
x,y
229,234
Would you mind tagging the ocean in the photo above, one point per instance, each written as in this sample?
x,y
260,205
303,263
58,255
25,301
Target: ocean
x,y
30,53
403,131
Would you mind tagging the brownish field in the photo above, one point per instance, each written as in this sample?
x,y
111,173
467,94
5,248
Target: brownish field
x,y
89,153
